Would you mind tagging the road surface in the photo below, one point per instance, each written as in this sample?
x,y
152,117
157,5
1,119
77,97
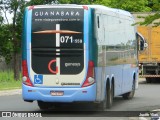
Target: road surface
x,y
147,98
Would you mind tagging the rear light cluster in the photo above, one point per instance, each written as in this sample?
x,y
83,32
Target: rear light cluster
x,y
90,75
25,77
31,7
85,7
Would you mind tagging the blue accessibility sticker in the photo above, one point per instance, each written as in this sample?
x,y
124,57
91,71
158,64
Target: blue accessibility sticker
x,y
38,79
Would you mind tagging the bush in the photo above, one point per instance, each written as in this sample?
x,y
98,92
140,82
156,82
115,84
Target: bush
x,y
7,80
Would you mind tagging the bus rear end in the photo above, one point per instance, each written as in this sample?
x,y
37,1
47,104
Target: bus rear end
x,y
56,64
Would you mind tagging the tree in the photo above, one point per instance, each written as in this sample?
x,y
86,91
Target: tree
x,y
74,1
10,33
6,45
150,19
131,5
103,2
155,6
3,35
1,18
13,40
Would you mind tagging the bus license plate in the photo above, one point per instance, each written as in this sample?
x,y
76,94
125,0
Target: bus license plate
x,y
57,93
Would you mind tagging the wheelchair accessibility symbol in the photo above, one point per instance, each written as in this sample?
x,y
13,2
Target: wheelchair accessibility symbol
x,y
38,79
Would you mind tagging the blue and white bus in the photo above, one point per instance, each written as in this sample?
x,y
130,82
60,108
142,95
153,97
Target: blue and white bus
x,y
76,53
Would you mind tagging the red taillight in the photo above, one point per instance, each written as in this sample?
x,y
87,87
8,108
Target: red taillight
x,y
90,75
31,7
25,76
85,7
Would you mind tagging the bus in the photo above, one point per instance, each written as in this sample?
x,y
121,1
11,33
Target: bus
x,y
78,53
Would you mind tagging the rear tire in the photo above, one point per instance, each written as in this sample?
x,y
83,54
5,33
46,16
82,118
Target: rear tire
x,y
130,95
148,80
108,100
43,105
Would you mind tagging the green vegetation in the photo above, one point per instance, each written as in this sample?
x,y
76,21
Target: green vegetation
x,y
7,81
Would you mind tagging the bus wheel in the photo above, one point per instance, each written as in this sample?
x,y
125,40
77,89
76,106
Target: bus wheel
x,y
43,105
130,95
108,100
109,97
148,80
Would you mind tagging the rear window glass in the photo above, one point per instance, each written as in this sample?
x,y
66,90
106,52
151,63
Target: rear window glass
x,y
57,44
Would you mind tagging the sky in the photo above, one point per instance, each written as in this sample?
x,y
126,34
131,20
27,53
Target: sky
x,y
10,16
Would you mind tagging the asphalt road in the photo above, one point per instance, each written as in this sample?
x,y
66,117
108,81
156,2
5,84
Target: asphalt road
x,y
147,98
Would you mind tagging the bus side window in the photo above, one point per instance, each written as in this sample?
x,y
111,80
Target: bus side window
x,y
98,21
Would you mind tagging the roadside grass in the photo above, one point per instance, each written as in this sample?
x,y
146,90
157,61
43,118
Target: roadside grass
x,y
7,81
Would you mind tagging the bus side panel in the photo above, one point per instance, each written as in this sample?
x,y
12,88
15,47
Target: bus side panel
x,y
98,77
130,55
117,52
116,74
97,54
128,74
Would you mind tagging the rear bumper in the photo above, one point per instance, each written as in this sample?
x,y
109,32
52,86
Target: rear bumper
x,y
70,94
149,70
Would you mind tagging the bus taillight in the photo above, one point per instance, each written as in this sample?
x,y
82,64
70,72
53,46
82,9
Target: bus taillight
x,y
25,77
90,75
85,7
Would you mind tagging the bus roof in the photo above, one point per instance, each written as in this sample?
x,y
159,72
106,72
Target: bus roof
x,y
100,7
104,8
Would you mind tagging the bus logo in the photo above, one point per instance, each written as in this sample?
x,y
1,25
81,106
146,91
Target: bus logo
x,y
50,69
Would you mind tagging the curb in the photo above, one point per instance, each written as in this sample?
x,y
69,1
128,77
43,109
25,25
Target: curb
x,y
11,92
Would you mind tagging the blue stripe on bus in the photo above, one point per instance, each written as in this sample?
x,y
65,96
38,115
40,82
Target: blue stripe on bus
x,y
29,24
24,55
90,34
86,43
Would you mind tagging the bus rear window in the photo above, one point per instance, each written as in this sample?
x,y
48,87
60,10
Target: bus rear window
x,y
57,44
